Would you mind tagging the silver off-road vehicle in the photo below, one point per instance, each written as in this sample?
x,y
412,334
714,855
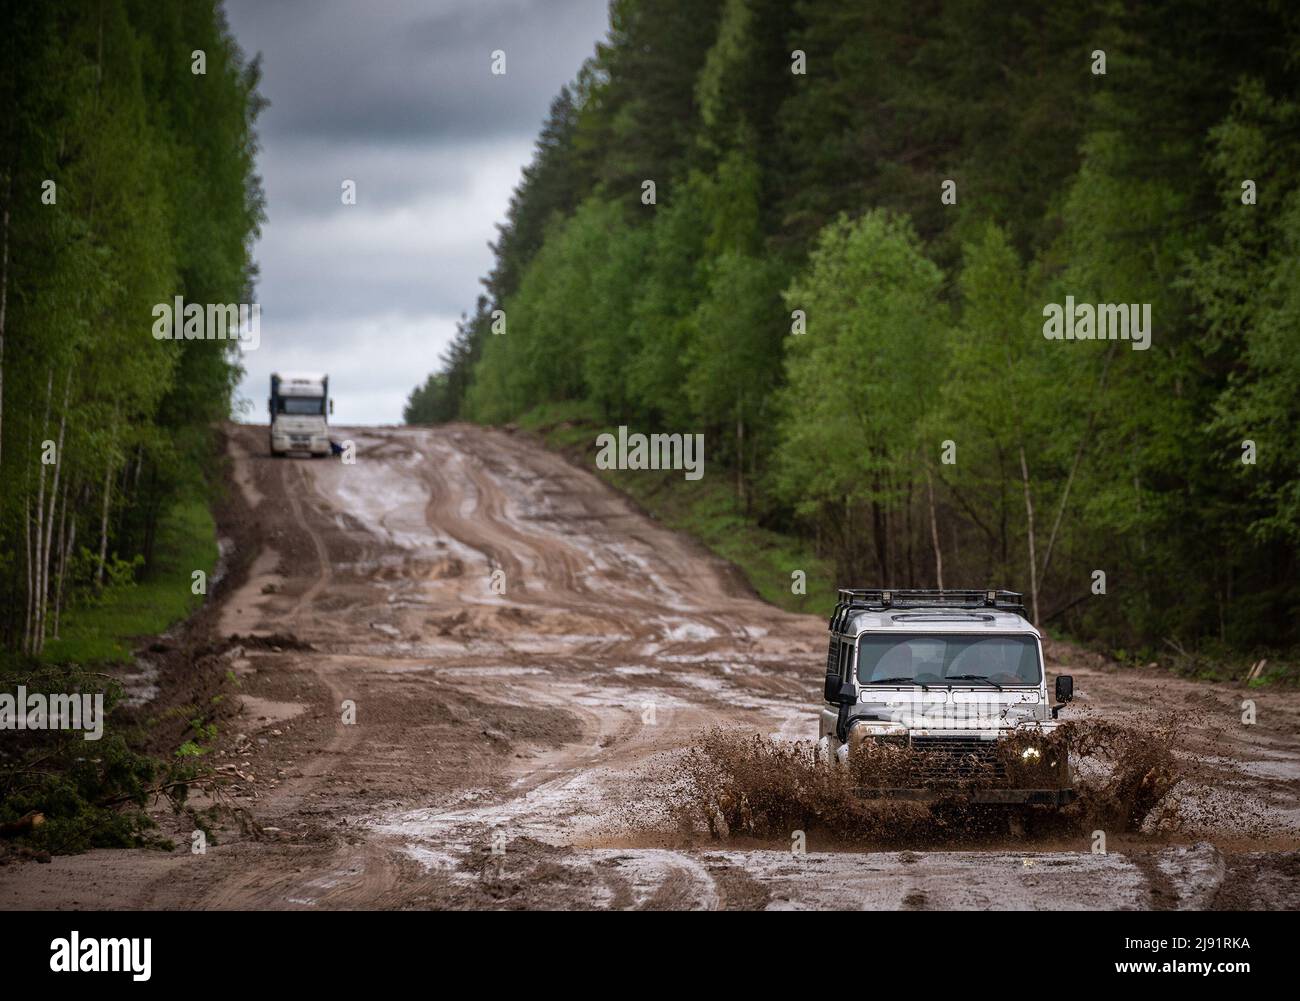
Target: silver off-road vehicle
x,y
940,695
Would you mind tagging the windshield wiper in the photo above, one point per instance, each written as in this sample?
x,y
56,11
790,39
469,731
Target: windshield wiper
x,y
899,681
974,677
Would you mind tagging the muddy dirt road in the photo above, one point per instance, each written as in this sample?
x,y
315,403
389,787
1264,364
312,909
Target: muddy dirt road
x,y
513,749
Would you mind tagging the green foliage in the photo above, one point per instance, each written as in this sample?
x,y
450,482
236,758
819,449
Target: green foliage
x,y
1247,288
154,196
733,362
663,314
867,372
571,305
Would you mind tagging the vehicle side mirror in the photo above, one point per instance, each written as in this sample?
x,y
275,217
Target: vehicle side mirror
x,y
837,691
270,406
331,406
1064,688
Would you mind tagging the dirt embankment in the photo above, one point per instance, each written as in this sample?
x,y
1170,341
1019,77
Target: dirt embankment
x,y
466,674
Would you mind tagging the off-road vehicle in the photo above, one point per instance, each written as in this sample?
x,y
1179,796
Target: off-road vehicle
x,y
936,695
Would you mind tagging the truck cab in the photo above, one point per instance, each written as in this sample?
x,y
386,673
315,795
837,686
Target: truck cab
x,y
956,680
299,404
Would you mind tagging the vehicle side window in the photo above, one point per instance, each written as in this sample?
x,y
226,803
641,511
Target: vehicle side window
x,y
833,677
846,653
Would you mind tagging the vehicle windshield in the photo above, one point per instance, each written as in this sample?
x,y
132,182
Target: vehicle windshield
x,y
312,406
954,658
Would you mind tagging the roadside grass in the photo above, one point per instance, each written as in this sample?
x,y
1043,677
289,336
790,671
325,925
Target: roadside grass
x,y
705,509
103,632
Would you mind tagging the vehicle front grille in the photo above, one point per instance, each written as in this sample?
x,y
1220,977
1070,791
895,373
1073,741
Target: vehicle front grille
x,y
953,759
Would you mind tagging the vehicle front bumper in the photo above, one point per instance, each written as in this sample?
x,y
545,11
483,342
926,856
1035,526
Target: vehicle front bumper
x,y
313,443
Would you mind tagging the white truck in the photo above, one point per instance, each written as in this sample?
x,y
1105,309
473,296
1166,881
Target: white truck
x,y
940,695
298,405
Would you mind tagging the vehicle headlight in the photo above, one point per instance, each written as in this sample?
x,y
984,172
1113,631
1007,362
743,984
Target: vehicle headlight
x,y
862,731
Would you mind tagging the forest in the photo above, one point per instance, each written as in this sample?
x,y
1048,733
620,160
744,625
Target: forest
x,y
126,179
826,235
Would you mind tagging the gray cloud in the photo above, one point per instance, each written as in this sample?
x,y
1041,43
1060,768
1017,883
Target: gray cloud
x,y
394,70
416,236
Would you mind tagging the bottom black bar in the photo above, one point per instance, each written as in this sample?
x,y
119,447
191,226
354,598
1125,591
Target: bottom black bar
x,y
335,949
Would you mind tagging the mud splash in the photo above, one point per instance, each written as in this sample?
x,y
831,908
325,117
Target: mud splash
x,y
732,785
1124,776
747,785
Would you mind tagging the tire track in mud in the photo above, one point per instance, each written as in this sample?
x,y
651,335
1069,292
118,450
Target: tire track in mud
x,y
324,572
560,798
364,878
547,569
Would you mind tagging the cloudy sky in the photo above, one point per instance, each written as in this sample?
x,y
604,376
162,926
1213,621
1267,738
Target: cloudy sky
x,y
398,96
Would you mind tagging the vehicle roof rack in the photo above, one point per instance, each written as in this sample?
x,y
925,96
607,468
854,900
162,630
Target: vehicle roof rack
x,y
882,599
